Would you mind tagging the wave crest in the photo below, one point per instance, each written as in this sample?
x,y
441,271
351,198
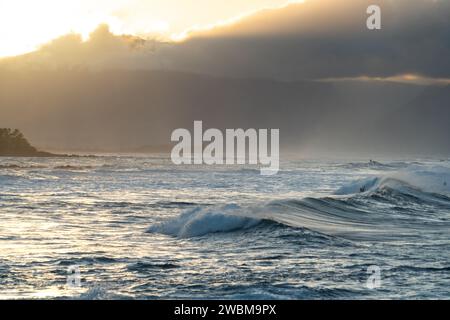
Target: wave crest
x,y
199,222
357,210
427,180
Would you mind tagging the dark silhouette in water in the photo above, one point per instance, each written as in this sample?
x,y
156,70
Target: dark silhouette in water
x,y
14,144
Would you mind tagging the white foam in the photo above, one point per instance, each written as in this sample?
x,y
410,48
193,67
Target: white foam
x,y
435,179
198,222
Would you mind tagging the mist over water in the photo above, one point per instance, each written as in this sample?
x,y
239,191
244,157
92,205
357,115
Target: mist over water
x,y
140,227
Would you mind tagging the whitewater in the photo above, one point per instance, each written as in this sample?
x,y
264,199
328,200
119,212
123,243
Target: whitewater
x,y
140,227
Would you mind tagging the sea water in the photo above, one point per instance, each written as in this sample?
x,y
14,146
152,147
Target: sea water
x,y
140,227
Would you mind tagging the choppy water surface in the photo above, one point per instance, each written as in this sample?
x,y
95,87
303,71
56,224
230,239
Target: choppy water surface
x,y
140,227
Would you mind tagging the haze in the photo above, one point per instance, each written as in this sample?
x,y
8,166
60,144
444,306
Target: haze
x,y
311,69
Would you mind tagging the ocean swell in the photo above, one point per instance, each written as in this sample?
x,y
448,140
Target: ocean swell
x,y
386,207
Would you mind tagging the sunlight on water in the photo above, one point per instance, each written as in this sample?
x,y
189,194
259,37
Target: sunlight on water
x,y
139,227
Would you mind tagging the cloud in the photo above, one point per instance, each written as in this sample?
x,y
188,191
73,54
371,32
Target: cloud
x,y
317,39
324,38
103,93
103,50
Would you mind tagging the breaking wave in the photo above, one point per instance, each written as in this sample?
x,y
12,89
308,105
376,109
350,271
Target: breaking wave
x,y
427,180
201,221
387,207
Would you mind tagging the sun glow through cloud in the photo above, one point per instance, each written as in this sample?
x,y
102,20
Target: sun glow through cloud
x,y
27,24
198,28
403,78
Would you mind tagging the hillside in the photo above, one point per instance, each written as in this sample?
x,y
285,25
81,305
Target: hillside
x,y
14,144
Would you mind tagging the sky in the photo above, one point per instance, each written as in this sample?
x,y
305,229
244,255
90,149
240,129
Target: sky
x,y
26,24
315,39
312,69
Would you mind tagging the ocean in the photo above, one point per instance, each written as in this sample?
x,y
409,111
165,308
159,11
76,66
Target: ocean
x,y
139,227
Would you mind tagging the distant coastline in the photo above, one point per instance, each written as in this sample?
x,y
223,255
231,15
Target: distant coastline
x,y
14,144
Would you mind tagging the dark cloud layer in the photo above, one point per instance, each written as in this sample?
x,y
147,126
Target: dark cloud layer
x,y
325,38
316,39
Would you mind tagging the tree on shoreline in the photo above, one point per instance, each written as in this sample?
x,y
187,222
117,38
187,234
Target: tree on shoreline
x,y
13,142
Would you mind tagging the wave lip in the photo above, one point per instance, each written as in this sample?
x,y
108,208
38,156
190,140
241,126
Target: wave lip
x,y
198,222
